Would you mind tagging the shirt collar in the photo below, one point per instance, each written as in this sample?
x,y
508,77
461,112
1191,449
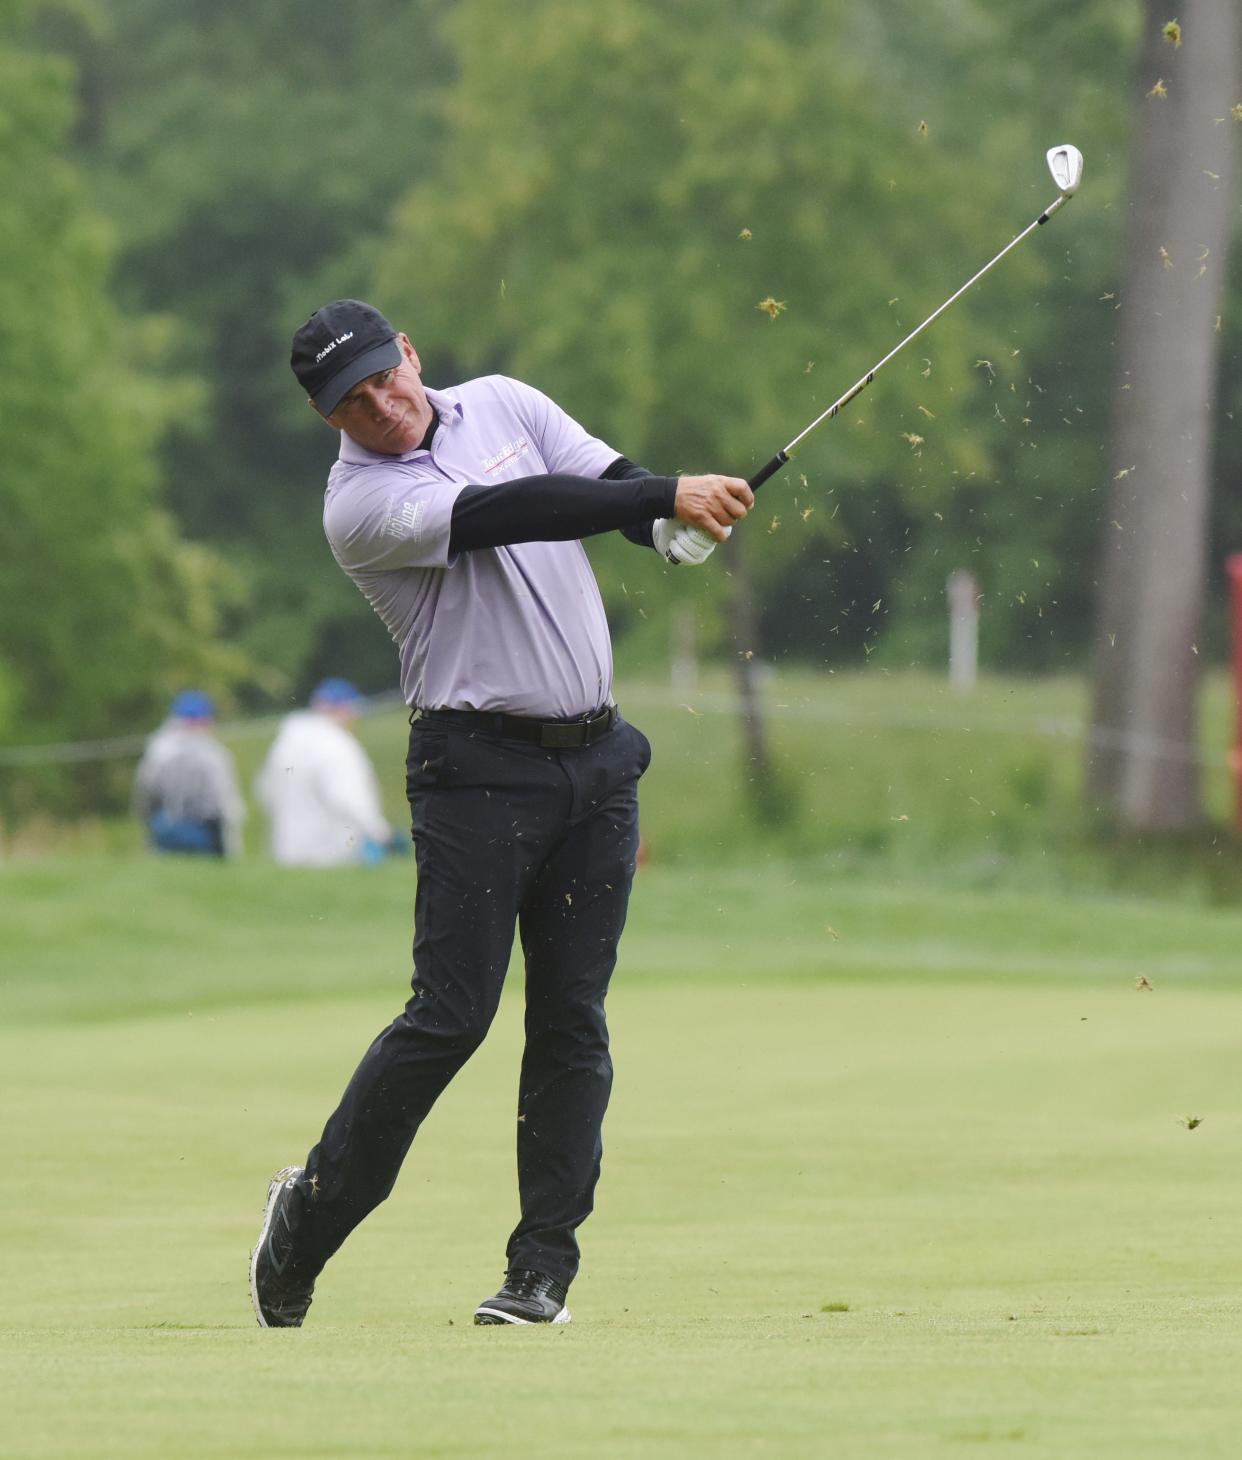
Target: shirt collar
x,y
446,405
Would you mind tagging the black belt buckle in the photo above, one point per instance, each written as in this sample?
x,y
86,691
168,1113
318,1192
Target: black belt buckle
x,y
563,737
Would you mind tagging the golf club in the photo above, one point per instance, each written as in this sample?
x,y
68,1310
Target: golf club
x,y
1065,164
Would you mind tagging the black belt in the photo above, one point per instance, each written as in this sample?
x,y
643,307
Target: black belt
x,y
551,734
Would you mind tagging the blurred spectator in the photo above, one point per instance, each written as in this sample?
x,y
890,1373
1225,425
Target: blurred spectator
x,y
185,789
319,787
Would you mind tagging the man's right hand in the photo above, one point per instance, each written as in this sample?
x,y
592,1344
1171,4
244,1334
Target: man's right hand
x,y
713,503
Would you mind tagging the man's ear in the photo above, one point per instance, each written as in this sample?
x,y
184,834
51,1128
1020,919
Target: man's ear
x,y
410,353
320,414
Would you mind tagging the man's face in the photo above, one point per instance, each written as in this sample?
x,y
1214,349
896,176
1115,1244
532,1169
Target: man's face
x,y
387,413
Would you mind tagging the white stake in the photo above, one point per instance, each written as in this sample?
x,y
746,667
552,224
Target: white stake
x,y
963,594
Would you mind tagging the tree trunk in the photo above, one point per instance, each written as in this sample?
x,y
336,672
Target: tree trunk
x,y
1141,767
762,783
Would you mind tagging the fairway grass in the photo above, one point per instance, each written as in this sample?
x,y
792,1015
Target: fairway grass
x,y
918,1187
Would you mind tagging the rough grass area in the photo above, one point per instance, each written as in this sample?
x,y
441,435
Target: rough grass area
x,y
898,771
890,774
921,1185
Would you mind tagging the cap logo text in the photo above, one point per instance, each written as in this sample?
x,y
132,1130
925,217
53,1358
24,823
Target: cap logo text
x,y
332,344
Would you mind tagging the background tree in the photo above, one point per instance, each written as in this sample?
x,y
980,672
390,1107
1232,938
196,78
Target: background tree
x,y
105,609
251,155
700,276
608,262
1141,766
552,226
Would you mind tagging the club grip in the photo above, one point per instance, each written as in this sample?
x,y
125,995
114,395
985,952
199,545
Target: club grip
x,y
767,470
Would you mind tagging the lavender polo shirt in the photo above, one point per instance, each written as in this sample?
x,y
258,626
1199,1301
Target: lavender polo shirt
x,y
518,628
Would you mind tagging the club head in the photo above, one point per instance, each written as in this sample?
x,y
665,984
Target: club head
x,y
1065,165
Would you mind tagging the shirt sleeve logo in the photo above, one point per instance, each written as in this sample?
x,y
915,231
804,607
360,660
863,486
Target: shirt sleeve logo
x,y
510,451
403,519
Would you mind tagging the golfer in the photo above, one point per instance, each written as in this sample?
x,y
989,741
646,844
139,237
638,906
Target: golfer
x,y
458,514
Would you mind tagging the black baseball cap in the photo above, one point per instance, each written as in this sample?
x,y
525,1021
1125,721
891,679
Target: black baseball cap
x,y
338,346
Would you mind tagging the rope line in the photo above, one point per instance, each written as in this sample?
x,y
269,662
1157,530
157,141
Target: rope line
x,y
714,702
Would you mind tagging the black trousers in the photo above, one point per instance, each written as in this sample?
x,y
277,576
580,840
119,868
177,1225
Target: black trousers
x,y
505,833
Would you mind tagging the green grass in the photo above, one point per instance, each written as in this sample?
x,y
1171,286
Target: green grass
x,y
88,939
917,1186
888,774
900,771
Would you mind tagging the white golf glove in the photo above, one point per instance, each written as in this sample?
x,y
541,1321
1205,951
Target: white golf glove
x,y
681,543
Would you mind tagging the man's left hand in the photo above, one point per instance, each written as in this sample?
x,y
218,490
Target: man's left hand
x,y
681,543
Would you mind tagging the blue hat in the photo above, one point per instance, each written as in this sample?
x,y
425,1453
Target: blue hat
x,y
335,692
193,704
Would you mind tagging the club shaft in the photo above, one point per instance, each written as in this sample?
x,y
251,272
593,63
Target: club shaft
x,y
771,467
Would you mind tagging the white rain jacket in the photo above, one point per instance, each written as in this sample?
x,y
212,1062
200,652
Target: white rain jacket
x,y
320,792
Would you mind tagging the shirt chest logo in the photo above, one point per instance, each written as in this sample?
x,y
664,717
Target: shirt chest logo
x,y
510,451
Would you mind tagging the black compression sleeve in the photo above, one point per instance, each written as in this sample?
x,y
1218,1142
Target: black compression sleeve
x,y
555,508
624,470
